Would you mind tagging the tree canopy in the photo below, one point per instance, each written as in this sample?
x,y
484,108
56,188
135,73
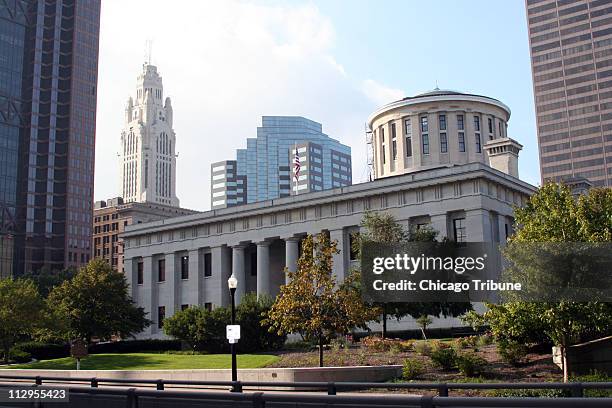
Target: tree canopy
x,y
95,303
553,214
314,303
21,311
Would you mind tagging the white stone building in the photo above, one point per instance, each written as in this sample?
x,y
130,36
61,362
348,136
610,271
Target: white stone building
x,y
147,156
184,261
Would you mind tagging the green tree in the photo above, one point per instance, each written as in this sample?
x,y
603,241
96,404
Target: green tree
x,y
21,311
204,330
95,303
314,303
200,328
46,279
424,321
383,227
553,214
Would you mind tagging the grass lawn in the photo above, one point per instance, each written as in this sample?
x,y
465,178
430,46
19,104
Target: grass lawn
x,y
150,361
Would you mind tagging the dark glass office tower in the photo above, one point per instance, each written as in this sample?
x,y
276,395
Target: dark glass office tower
x,y
571,60
48,88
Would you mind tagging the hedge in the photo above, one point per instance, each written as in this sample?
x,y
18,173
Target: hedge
x,y
44,351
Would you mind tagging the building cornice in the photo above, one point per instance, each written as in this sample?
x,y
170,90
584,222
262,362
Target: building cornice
x,y
436,98
409,181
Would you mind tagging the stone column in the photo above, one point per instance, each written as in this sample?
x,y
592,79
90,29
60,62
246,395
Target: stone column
x,y
149,295
340,265
238,270
263,268
291,255
478,226
173,277
195,278
439,222
216,290
130,273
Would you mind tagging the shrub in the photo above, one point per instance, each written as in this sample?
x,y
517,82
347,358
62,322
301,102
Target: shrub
x,y
460,344
412,369
512,352
438,345
469,364
19,356
44,351
422,348
300,345
376,343
595,377
444,358
472,341
406,345
338,344
485,340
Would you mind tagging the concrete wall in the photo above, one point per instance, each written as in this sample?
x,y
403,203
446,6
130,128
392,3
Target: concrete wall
x,y
324,374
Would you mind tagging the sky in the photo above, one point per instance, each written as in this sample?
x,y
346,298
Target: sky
x,y
226,63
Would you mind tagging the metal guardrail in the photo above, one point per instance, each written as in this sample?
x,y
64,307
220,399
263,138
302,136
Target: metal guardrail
x,y
142,398
576,389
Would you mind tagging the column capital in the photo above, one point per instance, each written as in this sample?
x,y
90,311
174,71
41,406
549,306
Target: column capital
x,y
292,239
263,243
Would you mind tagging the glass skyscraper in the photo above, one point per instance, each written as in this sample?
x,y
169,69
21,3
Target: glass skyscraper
x,y
264,170
48,88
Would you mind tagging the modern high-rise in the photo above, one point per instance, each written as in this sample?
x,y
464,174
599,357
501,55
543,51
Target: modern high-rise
x,y
48,90
266,168
571,60
148,142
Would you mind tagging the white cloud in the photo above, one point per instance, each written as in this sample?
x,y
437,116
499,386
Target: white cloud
x,y
225,64
379,93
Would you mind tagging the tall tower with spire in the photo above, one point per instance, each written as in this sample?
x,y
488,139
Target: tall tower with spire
x,y
148,142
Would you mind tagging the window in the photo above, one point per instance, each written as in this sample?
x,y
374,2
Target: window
x,y
353,247
460,124
425,134
161,270
161,315
208,306
491,125
140,273
461,133
408,130
393,142
442,121
477,134
183,307
382,140
184,267
459,229
208,264
443,143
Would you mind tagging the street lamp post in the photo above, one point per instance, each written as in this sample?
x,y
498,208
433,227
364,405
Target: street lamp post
x,y
232,283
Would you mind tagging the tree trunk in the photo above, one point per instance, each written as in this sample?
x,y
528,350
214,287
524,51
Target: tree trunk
x,y
321,350
423,331
384,322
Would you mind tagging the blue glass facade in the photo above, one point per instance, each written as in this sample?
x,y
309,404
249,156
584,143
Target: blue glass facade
x,y
266,160
12,39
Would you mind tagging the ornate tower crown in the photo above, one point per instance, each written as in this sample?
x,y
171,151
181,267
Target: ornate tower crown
x,y
148,142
